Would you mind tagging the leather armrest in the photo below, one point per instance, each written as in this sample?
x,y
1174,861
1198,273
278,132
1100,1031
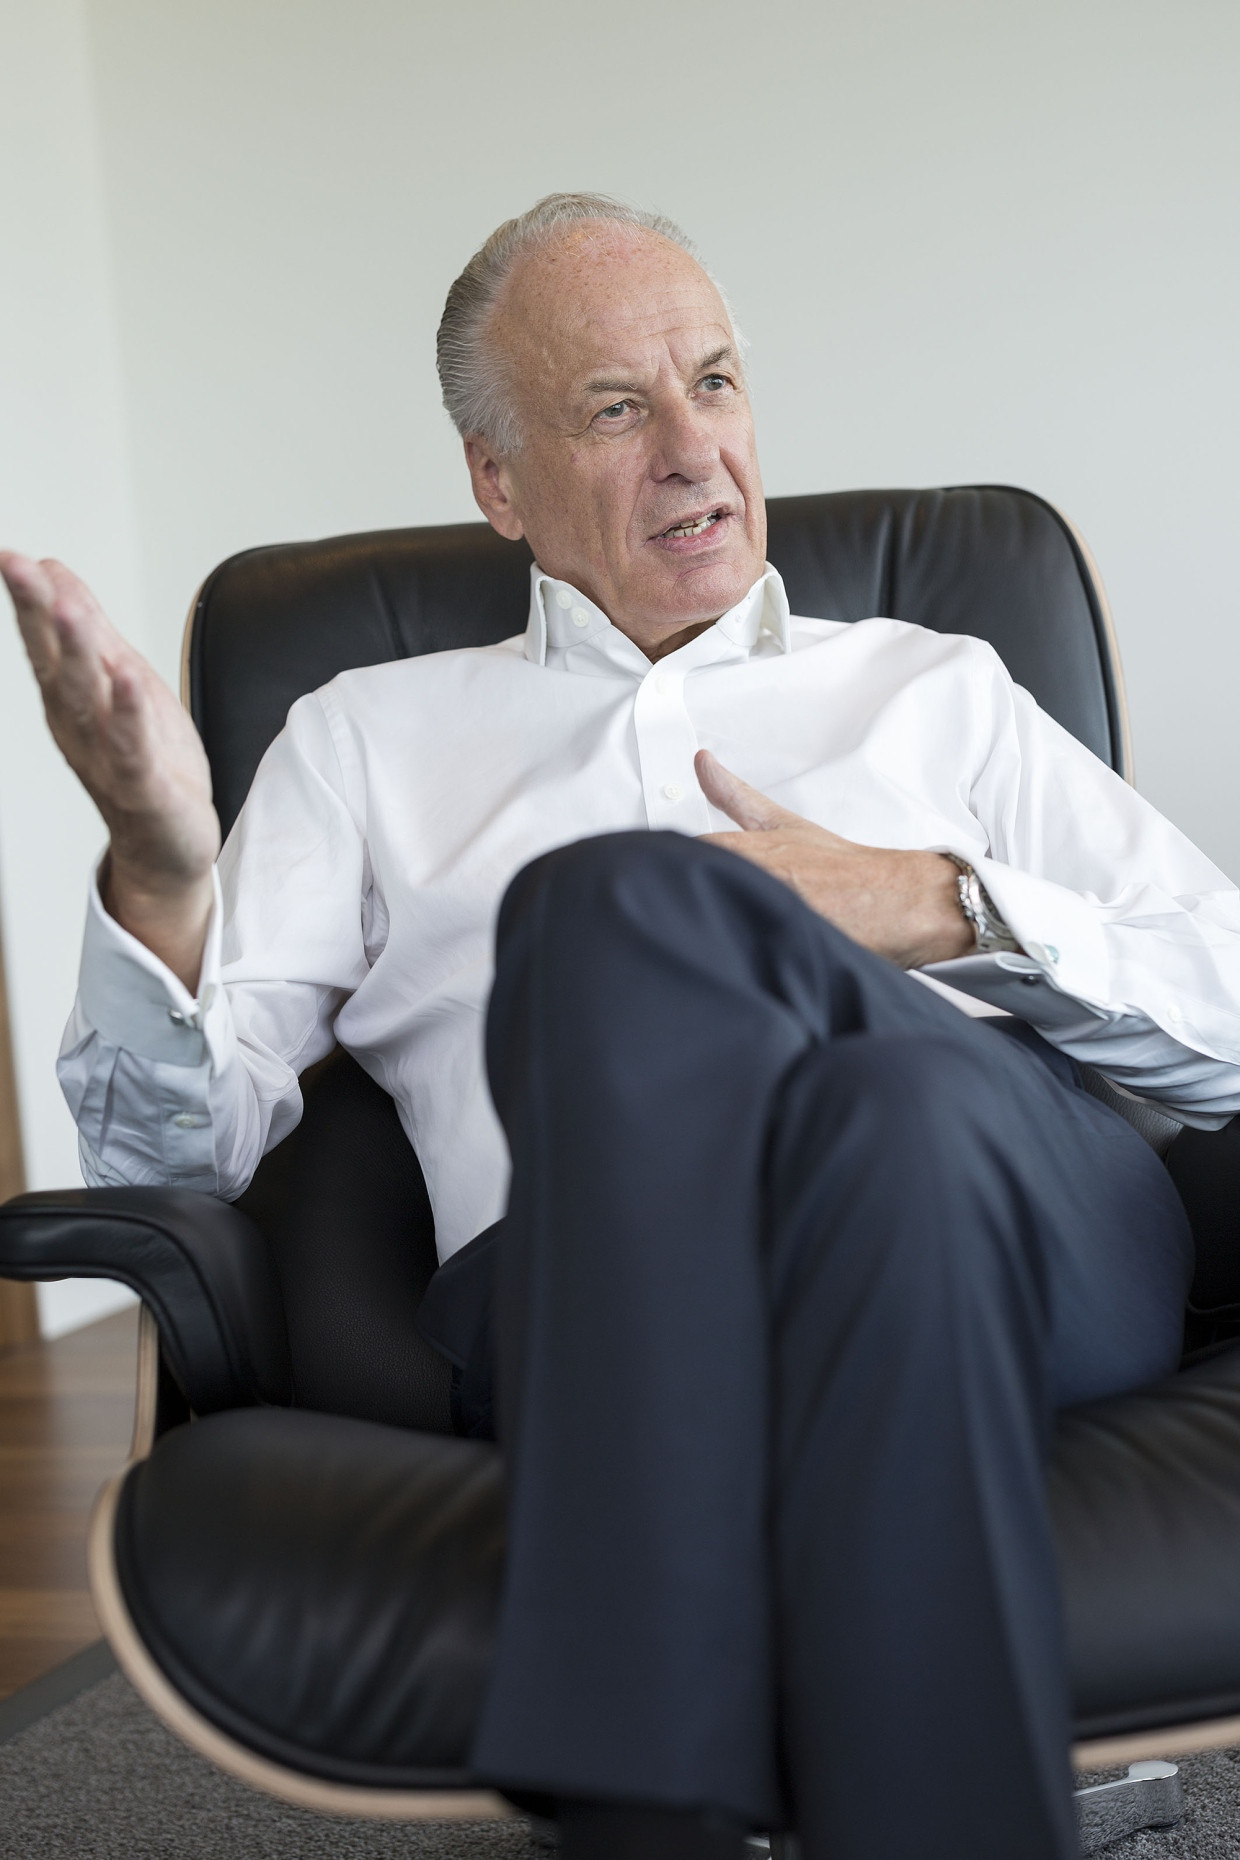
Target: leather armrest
x,y
204,1269
1205,1167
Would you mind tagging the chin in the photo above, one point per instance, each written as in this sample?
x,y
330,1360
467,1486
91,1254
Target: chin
x,y
705,592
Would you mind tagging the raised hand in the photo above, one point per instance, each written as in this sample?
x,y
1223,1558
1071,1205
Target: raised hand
x,y
135,751
904,905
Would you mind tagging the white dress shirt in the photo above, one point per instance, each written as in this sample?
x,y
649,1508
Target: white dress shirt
x,y
359,887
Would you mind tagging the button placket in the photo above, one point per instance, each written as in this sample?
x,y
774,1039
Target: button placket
x,y
666,746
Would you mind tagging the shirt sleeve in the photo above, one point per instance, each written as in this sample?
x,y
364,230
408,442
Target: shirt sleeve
x,y
1132,936
170,1089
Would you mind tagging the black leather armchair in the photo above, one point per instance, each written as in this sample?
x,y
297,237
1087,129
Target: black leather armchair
x,y
299,1567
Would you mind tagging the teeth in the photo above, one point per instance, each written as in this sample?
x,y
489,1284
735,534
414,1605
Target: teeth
x,y
695,529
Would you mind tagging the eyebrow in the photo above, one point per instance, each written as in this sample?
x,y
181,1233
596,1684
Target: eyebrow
x,y
607,384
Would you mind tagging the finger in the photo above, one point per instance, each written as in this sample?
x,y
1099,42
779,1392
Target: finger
x,y
747,806
25,579
33,597
74,603
66,633
88,651
129,717
81,688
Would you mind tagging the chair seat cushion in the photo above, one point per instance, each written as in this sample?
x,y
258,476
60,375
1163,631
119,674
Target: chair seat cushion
x,y
1145,1497
322,1589
325,1590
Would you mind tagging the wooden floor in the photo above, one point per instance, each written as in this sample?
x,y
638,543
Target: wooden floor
x,y
66,1409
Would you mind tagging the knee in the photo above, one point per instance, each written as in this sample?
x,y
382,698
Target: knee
x,y
570,909
620,881
595,865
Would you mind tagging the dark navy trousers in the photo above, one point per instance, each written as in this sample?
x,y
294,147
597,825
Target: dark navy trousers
x,y
797,1265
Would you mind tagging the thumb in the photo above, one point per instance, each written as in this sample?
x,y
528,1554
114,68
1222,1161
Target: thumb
x,y
747,806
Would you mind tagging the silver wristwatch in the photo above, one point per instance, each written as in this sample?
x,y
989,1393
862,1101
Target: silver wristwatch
x,y
979,907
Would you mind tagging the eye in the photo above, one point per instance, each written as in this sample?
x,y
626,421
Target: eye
x,y
616,411
713,383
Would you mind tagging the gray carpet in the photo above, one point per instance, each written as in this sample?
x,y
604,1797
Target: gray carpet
x,y
99,1779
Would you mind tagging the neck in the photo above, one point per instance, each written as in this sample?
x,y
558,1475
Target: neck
x,y
656,649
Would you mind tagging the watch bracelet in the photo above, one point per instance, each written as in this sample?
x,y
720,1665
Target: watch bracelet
x,y
989,929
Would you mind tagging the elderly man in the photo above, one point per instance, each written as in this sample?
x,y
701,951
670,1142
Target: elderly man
x,y
796,1258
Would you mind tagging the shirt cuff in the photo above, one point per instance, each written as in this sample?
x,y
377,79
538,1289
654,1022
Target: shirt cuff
x,y
135,1002
1057,929
1010,984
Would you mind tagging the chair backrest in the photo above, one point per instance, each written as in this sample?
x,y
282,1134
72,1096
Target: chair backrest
x,y
342,1199
271,624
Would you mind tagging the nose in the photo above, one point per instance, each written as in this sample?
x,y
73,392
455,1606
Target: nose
x,y
686,444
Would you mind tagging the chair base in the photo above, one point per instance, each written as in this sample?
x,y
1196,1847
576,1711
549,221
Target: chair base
x,y
1150,1796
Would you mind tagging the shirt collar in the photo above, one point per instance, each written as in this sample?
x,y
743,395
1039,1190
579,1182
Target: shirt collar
x,y
567,629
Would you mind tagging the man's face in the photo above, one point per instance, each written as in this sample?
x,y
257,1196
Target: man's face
x,y
638,477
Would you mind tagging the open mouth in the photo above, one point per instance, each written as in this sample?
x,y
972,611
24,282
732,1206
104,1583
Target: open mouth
x,y
696,526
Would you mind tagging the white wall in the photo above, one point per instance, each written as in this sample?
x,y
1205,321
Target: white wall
x,y
64,489
970,240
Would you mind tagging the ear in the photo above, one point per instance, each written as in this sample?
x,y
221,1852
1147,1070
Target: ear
x,y
492,482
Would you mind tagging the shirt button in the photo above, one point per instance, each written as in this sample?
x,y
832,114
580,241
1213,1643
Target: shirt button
x,y
185,1120
1052,954
563,598
660,683
1174,1012
672,791
580,617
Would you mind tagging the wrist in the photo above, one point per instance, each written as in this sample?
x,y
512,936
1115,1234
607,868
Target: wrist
x,y
932,927
136,888
168,915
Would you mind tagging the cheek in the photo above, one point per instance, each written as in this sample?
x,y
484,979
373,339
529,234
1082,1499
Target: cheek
x,y
741,458
610,494
559,500
582,499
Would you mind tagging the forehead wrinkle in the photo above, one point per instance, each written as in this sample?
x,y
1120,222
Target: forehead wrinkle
x,y
601,289
619,380
600,261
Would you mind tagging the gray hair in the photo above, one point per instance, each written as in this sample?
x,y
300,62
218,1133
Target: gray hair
x,y
476,390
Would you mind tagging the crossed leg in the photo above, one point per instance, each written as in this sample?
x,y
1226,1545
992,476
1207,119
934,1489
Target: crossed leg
x,y
798,1262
